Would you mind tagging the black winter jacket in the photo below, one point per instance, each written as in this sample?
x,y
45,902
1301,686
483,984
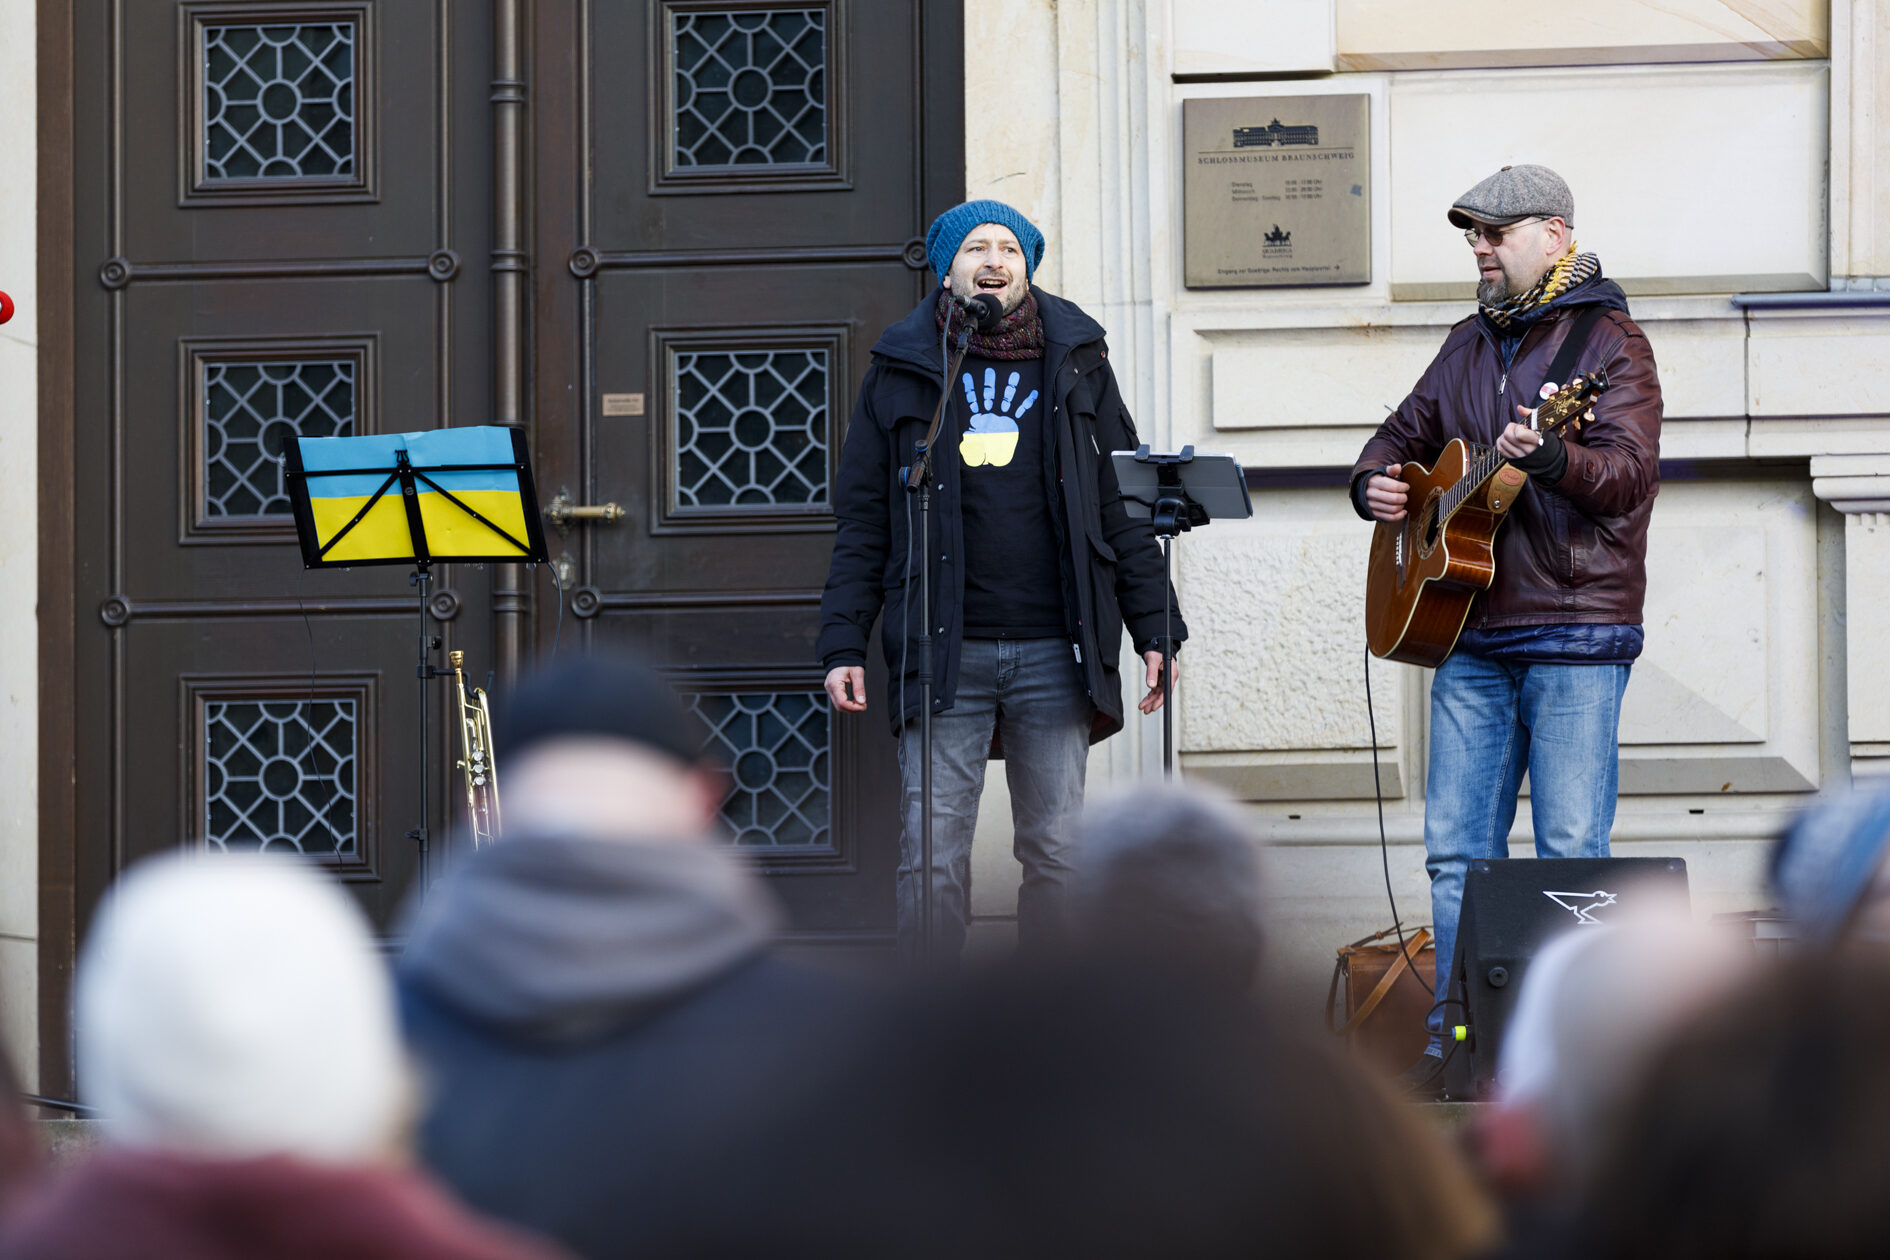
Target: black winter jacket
x,y
1112,566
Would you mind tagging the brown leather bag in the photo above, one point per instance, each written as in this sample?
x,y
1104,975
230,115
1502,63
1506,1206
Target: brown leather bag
x,y
1384,1008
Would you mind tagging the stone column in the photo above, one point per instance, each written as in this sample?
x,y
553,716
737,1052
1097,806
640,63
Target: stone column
x,y
1859,487
1860,144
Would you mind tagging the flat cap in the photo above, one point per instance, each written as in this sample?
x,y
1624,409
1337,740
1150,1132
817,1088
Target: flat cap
x,y
1513,194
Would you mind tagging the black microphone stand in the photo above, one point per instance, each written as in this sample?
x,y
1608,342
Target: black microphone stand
x,y
917,478
1174,512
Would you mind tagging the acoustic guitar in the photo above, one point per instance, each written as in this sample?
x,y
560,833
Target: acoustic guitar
x,y
1427,568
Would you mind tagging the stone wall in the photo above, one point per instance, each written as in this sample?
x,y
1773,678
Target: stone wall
x,y
1715,148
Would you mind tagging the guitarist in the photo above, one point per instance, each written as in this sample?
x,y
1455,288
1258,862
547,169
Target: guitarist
x,y
1535,682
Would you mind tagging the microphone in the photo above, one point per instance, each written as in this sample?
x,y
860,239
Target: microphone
x,y
983,309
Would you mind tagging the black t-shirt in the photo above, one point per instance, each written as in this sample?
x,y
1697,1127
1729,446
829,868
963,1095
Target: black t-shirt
x,y
1013,583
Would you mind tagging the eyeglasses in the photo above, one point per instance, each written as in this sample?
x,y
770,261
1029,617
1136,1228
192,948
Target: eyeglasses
x,y
1495,235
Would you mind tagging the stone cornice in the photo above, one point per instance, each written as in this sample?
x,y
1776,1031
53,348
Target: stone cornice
x,y
1853,484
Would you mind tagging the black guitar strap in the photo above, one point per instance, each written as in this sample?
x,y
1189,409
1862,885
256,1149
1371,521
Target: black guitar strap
x,y
1573,345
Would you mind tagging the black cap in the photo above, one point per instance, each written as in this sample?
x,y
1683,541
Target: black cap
x,y
605,694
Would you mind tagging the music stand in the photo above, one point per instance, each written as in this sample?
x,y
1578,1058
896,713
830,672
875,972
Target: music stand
x,y
1176,493
462,494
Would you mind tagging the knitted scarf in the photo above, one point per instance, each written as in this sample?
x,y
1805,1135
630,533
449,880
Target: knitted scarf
x,y
1570,270
1018,335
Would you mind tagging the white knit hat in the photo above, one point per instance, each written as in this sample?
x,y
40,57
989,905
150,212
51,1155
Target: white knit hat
x,y
234,1005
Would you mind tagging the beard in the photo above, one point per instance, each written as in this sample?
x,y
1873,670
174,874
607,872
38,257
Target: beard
x,y
1491,292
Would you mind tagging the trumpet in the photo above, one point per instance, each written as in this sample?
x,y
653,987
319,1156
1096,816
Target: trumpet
x,y
476,759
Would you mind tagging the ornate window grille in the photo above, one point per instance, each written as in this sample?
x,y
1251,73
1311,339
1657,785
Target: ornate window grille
x,y
279,102
749,88
280,775
751,428
775,745
251,410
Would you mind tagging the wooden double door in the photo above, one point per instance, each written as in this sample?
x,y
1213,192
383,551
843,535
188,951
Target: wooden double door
x,y
660,236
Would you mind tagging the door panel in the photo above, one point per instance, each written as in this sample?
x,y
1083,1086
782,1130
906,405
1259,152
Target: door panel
x,y
758,172
273,203
683,83
717,501
251,126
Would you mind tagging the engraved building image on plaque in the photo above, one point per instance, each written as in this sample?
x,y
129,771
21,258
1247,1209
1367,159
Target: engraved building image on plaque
x,y
1276,191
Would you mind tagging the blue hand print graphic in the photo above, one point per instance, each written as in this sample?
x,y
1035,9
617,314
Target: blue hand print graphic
x,y
991,437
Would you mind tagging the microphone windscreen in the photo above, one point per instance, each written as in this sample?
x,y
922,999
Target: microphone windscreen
x,y
989,311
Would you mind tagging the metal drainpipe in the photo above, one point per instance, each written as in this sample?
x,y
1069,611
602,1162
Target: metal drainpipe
x,y
511,597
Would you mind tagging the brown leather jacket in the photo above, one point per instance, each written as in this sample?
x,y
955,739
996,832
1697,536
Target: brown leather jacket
x,y
1575,551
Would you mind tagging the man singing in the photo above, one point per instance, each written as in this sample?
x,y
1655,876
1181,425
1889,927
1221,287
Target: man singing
x,y
1535,682
1035,565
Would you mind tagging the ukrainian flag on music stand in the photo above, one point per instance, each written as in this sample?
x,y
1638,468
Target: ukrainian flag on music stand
x,y
415,498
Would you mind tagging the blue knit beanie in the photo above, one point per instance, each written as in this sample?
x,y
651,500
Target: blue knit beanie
x,y
950,229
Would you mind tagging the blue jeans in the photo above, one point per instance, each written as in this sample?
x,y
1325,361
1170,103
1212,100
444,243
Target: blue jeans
x,y
1490,721
1029,691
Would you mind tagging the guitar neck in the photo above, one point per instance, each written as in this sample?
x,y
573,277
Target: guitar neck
x,y
1485,463
1566,407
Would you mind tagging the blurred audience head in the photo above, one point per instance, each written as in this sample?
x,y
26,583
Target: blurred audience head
x,y
1761,1129
600,747
1595,1004
1170,877
1099,1113
1829,869
234,1005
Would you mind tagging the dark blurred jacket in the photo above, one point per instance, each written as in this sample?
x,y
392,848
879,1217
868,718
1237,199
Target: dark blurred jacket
x,y
599,1023
138,1204
1576,551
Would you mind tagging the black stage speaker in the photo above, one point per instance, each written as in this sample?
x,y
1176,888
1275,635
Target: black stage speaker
x,y
1510,908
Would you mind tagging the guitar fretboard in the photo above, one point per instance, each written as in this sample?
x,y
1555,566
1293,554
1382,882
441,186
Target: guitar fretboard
x,y
1484,463
1559,409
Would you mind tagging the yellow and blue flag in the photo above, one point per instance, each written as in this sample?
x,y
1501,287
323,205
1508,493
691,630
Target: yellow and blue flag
x,y
440,494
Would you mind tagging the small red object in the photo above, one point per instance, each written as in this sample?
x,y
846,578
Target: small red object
x,y
6,308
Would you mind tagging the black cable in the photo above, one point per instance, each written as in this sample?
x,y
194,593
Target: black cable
x,y
1384,853
911,541
79,1110
557,591
905,619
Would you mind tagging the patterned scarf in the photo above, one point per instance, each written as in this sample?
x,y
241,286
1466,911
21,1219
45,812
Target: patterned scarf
x,y
1018,335
1570,270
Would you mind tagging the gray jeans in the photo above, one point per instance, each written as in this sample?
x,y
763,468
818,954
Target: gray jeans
x,y
1030,692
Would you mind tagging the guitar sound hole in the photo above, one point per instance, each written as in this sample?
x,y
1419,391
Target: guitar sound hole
x,y
1430,526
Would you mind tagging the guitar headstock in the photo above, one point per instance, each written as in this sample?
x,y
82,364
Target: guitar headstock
x,y
1570,406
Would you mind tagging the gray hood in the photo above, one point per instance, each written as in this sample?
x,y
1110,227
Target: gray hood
x,y
559,938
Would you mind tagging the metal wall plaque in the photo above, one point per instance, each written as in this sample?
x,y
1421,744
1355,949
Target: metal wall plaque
x,y
1276,191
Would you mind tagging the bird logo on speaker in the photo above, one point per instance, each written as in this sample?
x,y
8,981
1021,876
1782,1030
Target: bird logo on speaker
x,y
991,437
1581,905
